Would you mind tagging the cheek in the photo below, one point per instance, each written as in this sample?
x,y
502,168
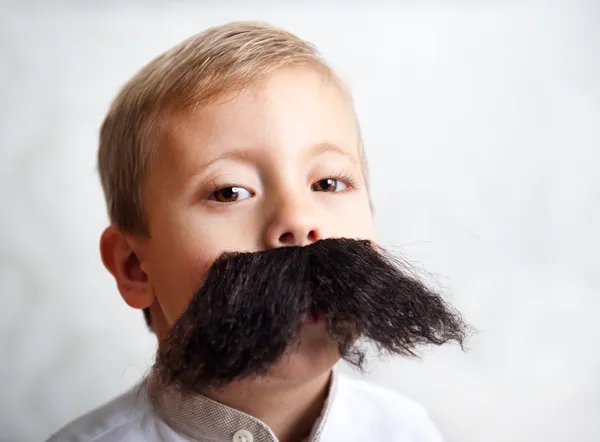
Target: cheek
x,y
353,220
178,277
183,253
180,264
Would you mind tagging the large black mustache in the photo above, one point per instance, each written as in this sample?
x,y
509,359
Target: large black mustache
x,y
251,306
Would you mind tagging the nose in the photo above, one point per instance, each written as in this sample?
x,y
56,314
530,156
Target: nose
x,y
293,223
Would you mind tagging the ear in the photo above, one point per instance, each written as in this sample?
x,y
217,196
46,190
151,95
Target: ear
x,y
122,262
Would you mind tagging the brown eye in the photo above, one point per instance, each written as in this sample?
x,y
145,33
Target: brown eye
x,y
329,185
230,194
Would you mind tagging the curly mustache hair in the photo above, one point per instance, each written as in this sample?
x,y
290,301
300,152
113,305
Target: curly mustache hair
x,y
252,305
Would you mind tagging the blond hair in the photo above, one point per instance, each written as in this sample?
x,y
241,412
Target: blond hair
x,y
201,69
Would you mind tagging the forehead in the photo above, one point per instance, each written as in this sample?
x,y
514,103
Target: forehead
x,y
283,115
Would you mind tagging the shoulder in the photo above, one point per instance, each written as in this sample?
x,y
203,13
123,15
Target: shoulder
x,y
116,420
373,395
384,412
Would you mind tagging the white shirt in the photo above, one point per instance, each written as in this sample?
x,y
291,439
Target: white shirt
x,y
354,411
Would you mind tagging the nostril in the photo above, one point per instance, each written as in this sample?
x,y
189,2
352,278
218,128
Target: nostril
x,y
286,238
289,238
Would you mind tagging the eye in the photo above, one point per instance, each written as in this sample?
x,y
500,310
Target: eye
x,y
329,185
230,194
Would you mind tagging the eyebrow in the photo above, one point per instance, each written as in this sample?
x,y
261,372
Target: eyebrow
x,y
244,155
248,154
321,148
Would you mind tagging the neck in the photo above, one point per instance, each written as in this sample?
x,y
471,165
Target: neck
x,y
290,410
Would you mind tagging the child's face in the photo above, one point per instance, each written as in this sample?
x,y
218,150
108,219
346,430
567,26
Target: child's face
x,y
276,144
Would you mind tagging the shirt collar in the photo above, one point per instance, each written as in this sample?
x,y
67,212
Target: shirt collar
x,y
200,418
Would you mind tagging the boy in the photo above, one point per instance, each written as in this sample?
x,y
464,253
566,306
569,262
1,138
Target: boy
x,y
236,185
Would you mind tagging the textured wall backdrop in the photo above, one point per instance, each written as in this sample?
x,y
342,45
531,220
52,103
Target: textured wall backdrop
x,y
482,126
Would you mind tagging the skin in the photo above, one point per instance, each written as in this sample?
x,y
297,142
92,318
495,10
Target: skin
x,y
274,141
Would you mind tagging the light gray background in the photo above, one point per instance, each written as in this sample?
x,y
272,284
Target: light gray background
x,y
481,123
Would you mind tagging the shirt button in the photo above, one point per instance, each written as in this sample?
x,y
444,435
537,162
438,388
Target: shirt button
x,y
243,436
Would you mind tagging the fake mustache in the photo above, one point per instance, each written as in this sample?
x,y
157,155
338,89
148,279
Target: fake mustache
x,y
252,305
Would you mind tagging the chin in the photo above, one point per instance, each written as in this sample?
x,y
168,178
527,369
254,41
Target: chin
x,y
313,357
